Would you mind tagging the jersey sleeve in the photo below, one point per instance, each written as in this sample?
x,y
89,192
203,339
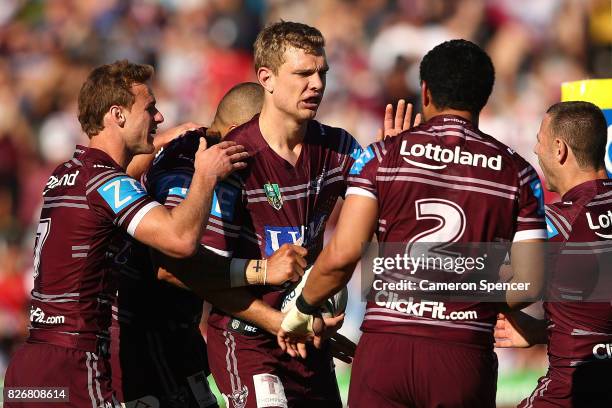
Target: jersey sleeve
x,y
530,219
171,188
362,175
225,220
119,198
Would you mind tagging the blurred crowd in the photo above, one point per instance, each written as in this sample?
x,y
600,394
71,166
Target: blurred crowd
x,y
200,48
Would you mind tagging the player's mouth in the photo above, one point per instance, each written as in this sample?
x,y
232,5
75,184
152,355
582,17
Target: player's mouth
x,y
312,102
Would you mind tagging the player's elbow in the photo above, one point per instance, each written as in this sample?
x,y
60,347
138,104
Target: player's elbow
x,y
181,247
341,257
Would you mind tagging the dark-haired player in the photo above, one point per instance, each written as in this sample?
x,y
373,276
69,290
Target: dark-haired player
x,y
297,171
408,189
571,148
87,201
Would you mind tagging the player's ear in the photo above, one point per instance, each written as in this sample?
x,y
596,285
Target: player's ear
x,y
425,94
117,115
265,76
561,150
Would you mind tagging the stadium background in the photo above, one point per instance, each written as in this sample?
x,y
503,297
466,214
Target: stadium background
x,y
200,48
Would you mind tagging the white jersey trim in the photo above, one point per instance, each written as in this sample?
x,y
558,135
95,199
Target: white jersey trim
x,y
360,192
530,234
131,229
226,254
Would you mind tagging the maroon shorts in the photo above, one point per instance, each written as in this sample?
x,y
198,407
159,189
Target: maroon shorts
x,y
584,386
253,372
394,370
85,374
164,367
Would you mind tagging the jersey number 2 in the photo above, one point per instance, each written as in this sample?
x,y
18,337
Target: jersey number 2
x,y
450,228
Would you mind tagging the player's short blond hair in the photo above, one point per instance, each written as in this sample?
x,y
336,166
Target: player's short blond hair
x,y
273,40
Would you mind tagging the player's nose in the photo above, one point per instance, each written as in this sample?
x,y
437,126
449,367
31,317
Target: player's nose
x,y
158,118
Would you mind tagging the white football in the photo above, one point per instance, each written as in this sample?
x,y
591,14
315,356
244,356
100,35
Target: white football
x,y
332,306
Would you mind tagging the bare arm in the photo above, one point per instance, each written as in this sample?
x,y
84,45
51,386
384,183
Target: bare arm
x,y
237,302
527,259
334,267
208,271
177,232
332,270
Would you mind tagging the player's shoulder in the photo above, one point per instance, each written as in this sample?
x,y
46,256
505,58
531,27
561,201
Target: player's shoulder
x,y
583,213
333,138
179,153
248,134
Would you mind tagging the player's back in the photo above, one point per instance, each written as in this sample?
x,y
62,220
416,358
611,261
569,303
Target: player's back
x,y
446,182
578,304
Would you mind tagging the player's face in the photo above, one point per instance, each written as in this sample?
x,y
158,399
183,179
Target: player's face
x,y
141,121
300,83
543,149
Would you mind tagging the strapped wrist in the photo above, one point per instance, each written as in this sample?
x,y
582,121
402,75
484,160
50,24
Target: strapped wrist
x,y
256,272
305,307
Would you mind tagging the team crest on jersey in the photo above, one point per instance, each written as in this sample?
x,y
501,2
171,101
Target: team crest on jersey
x,y
274,196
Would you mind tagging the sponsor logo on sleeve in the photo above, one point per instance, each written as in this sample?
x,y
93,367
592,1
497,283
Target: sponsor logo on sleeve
x,y
363,159
355,150
445,156
550,229
536,188
121,192
224,202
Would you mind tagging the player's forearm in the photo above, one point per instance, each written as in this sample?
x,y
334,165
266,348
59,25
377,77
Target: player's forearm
x,y
208,270
528,268
329,275
240,303
532,329
203,272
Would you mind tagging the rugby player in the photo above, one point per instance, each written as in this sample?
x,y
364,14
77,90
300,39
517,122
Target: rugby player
x,y
297,170
404,194
158,355
88,200
571,146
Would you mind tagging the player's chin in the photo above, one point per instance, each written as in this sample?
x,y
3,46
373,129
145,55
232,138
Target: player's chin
x,y
308,113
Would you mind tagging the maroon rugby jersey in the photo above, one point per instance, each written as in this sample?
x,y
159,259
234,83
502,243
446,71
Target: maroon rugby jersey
x,y
87,200
445,181
143,299
271,202
580,330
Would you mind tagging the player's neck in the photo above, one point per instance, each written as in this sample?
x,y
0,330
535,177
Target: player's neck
x,y
284,135
448,111
578,177
109,145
